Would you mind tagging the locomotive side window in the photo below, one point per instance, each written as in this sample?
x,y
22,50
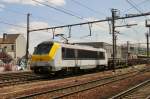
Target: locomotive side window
x,y
68,53
86,54
43,48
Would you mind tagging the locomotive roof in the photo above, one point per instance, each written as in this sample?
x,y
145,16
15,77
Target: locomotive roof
x,y
75,46
84,47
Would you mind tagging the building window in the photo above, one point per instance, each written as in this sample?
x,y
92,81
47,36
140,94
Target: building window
x,y
12,47
4,49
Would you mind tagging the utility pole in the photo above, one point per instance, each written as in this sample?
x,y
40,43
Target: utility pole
x,y
114,36
113,11
28,31
147,37
115,45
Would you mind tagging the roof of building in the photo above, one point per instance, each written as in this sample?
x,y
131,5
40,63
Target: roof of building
x,y
10,39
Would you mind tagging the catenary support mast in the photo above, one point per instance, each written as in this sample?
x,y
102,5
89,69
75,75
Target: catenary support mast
x,y
28,31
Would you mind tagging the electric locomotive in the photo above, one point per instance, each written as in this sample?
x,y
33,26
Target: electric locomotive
x,y
52,57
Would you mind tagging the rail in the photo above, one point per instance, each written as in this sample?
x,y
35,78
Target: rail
x,y
129,91
18,78
72,89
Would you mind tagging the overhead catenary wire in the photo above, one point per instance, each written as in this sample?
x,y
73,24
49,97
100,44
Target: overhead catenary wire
x,y
60,10
134,30
19,13
11,24
55,9
134,6
66,11
137,5
32,16
70,11
45,19
75,13
16,12
145,17
90,9
96,21
127,24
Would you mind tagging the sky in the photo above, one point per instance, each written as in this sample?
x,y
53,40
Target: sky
x,y
13,17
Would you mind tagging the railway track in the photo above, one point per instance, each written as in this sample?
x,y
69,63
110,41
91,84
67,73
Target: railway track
x,y
66,91
8,79
140,91
22,77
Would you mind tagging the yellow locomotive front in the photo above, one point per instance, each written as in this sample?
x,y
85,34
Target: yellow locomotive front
x,y
43,56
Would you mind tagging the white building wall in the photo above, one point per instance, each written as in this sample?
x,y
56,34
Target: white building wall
x,y
20,46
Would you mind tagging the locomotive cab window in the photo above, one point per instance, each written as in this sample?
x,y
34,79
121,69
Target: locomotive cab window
x,y
43,48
